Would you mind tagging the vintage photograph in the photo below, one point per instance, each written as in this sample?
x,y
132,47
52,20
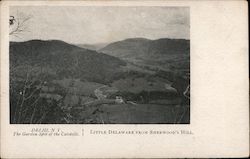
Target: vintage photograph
x,y
99,65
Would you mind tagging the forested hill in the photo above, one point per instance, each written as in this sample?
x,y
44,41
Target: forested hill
x,y
141,47
64,60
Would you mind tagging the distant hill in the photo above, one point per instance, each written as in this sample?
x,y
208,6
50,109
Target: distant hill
x,y
144,48
95,47
64,60
171,55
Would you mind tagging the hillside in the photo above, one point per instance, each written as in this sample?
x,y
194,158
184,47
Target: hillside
x,y
171,55
144,48
64,60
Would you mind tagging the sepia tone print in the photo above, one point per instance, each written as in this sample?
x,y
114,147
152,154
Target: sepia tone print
x,y
99,65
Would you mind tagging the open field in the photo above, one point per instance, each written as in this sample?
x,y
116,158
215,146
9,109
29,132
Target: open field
x,y
135,114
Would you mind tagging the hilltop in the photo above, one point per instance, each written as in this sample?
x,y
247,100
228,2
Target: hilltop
x,y
64,60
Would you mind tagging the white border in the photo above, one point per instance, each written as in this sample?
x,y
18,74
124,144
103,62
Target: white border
x,y
219,95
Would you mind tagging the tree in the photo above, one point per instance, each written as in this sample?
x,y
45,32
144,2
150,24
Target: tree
x,y
18,24
29,101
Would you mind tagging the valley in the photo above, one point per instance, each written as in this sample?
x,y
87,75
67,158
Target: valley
x,y
135,81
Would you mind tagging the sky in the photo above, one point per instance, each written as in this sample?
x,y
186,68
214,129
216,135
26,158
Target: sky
x,y
98,24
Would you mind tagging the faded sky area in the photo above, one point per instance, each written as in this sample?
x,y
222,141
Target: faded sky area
x,y
89,25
